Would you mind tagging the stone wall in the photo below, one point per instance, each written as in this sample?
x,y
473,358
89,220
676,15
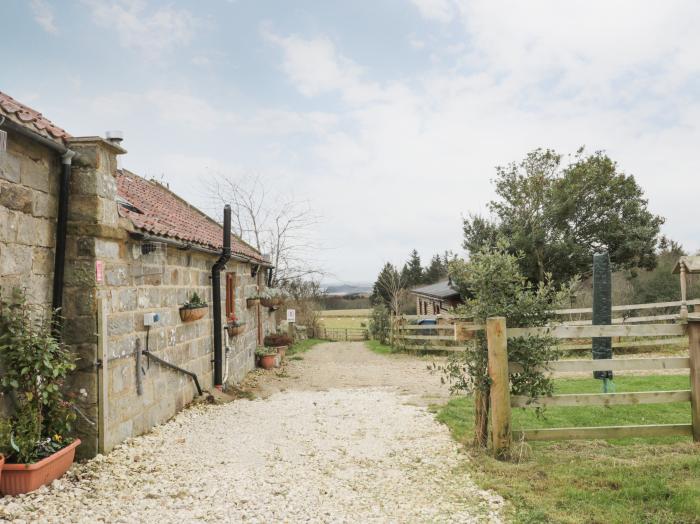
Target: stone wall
x,y
29,179
161,282
110,282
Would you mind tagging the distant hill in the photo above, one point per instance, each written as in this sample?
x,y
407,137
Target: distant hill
x,y
342,290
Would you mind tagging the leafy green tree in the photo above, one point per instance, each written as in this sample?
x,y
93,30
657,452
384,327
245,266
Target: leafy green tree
x,y
412,272
492,284
559,217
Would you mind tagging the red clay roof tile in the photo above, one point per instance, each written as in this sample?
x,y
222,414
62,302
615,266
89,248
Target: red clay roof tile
x,y
31,119
161,212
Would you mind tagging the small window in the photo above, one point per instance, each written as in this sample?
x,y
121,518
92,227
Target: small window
x,y
230,294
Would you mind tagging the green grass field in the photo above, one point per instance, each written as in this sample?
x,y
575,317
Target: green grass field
x,y
344,318
635,480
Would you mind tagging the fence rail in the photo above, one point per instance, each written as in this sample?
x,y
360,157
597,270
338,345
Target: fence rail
x,y
501,402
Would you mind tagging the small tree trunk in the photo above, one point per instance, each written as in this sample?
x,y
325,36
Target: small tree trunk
x,y
481,419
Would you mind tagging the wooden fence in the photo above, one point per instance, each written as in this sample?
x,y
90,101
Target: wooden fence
x,y
497,335
446,337
342,333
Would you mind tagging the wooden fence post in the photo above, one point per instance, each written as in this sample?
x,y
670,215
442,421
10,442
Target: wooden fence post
x,y
500,386
694,354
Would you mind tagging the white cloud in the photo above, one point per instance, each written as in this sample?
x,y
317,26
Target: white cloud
x,y
151,32
408,157
43,14
438,10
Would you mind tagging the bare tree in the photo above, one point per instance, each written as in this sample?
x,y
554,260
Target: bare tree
x,y
273,223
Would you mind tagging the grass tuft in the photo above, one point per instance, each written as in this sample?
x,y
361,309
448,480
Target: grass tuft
x,y
378,347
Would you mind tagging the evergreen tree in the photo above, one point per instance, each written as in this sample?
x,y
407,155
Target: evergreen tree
x,y
436,271
412,272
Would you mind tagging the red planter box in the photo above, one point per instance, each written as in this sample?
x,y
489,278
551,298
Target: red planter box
x,y
23,478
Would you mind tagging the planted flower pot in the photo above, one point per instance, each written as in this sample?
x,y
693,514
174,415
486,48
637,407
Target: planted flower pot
x,y
268,361
271,302
23,478
235,330
281,350
189,314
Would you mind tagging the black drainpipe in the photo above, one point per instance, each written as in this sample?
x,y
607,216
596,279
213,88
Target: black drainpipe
x,y
216,297
60,256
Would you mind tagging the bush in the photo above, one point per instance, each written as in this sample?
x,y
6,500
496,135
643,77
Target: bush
x,y
35,368
380,324
492,285
277,339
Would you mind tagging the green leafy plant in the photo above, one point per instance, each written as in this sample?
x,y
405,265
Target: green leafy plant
x,y
35,368
194,302
492,284
380,324
264,351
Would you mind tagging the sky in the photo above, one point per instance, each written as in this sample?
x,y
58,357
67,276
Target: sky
x,y
387,116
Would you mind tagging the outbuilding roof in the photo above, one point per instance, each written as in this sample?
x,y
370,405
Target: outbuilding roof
x,y
691,263
27,117
442,289
153,208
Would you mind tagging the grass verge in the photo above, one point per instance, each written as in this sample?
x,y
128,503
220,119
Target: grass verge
x,y
303,345
378,347
635,480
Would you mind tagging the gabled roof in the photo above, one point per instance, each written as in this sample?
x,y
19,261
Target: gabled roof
x,y
442,289
691,263
29,118
153,208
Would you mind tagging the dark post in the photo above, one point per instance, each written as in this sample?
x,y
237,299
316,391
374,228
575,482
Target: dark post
x,y
216,298
602,311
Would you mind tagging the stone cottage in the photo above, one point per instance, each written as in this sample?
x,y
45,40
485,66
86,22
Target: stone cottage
x,y
119,255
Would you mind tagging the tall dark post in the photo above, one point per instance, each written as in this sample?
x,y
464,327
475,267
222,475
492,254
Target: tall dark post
x,y
602,311
216,297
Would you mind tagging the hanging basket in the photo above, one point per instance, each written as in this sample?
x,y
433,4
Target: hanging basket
x,y
189,314
271,302
234,331
250,302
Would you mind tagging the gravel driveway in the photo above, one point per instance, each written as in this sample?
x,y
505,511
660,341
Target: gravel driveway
x,y
301,454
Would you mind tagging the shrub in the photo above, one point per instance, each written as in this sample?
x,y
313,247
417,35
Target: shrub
x,y
277,339
492,285
35,368
380,323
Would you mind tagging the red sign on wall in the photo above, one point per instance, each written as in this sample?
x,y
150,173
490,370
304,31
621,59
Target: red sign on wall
x,y
99,271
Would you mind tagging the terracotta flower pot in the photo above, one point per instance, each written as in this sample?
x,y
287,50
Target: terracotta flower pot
x,y
267,361
235,330
190,314
23,478
281,351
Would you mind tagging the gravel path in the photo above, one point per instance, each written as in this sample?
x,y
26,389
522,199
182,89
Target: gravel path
x,y
301,455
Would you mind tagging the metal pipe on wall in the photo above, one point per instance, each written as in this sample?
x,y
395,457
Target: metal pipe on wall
x,y
216,297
